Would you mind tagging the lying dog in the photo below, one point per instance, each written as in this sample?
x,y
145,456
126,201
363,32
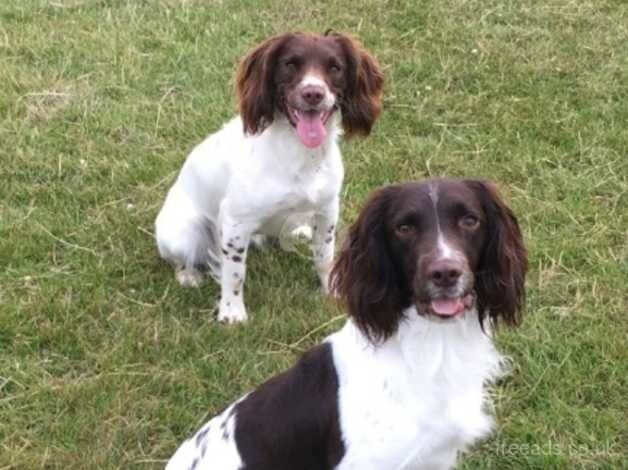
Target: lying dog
x,y
278,159
426,270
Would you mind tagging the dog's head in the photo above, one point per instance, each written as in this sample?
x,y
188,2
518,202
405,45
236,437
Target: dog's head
x,y
307,78
445,246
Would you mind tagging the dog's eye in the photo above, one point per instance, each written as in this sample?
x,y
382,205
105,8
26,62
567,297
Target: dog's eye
x,y
291,64
334,67
404,230
469,222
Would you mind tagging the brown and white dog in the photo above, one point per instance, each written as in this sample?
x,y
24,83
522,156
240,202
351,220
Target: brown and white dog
x,y
278,159
425,272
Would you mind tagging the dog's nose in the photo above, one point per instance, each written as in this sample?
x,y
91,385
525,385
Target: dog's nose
x,y
444,273
312,94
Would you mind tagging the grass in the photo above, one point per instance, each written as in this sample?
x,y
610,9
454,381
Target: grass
x,y
106,363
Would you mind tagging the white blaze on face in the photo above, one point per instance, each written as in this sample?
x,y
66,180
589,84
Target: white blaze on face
x,y
450,306
445,250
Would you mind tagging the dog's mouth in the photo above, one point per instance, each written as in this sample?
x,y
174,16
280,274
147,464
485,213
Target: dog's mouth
x,y
447,307
310,124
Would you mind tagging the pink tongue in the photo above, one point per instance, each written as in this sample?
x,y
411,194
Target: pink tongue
x,y
448,307
310,129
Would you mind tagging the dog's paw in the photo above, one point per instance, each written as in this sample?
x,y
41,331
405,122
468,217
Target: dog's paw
x,y
189,277
324,288
231,313
303,232
259,241
324,280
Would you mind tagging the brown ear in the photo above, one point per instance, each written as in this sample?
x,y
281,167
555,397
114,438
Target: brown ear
x,y
500,283
254,85
365,275
362,100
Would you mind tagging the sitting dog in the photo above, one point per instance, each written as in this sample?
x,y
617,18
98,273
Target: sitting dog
x,y
425,272
278,159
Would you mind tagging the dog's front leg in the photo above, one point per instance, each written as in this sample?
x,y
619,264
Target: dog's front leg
x,y
323,242
235,238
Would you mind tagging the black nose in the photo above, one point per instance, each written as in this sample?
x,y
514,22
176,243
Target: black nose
x,y
444,273
312,94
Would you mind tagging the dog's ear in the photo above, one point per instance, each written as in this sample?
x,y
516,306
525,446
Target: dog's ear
x,y
365,275
361,102
504,261
254,85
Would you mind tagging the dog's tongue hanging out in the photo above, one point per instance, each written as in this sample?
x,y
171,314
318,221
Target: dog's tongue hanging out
x,y
447,307
310,128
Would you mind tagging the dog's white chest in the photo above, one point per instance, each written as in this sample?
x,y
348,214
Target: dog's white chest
x,y
408,406
310,189
293,182
398,426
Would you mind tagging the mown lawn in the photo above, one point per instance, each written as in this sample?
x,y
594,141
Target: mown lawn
x,y
106,363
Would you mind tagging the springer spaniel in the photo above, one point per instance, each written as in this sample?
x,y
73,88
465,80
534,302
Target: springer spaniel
x,y
402,385
277,161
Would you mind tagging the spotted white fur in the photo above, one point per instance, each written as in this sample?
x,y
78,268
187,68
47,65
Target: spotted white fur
x,y
214,443
233,186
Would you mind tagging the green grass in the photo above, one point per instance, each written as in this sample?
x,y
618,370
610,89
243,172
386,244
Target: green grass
x,y
106,363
